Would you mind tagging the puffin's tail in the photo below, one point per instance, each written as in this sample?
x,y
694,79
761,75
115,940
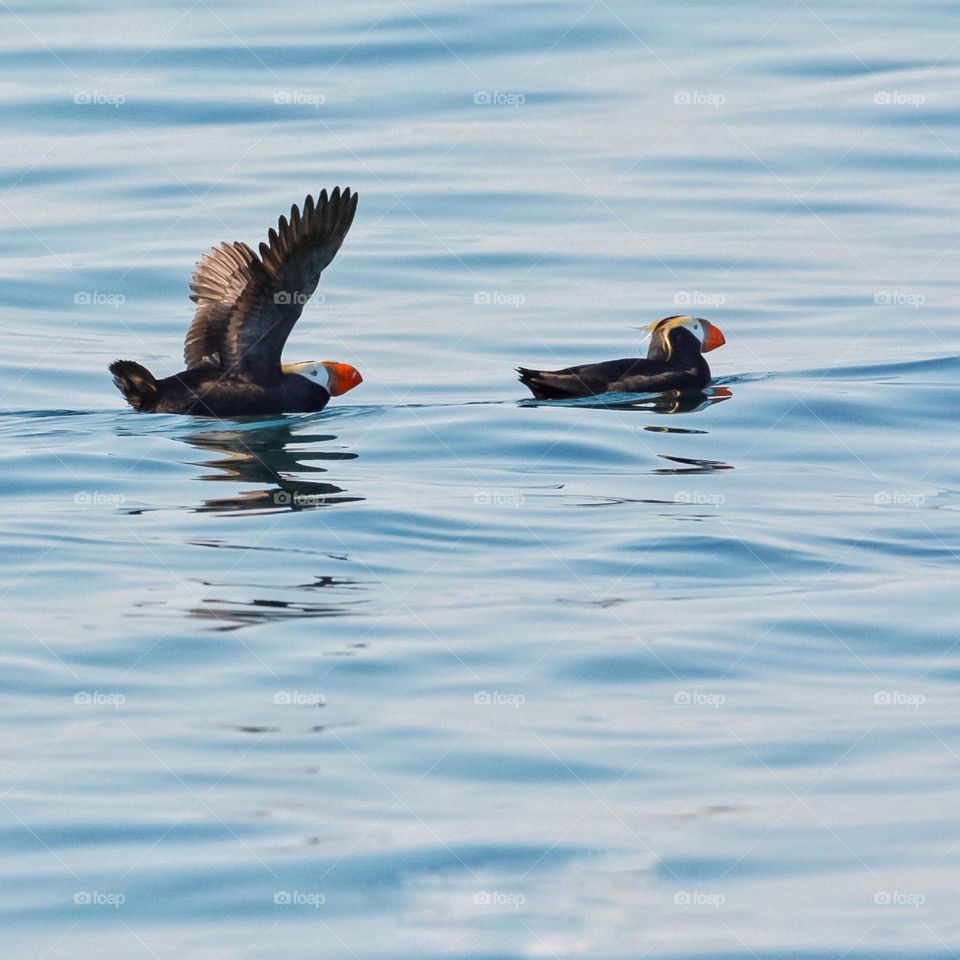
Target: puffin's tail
x,y
544,384
137,384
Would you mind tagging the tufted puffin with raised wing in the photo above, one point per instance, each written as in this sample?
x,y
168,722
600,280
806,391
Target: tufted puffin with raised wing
x,y
674,361
246,307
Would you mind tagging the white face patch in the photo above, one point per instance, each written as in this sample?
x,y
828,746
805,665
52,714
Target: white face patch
x,y
697,328
311,370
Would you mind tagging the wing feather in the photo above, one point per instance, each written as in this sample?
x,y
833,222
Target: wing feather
x,y
221,276
248,304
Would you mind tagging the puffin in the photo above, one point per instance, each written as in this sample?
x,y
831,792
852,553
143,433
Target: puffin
x,y
246,307
674,361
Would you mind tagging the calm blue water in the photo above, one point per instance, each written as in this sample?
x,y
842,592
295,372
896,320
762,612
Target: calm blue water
x,y
444,672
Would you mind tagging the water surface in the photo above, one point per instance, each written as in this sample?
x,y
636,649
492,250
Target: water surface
x,y
444,671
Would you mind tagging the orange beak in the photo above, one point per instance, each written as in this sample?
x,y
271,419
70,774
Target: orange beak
x,y
343,377
714,337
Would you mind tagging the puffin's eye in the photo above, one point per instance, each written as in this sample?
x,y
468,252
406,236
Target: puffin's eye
x,y
313,373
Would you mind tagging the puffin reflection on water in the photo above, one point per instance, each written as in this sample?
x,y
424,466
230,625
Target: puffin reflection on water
x,y
247,306
674,361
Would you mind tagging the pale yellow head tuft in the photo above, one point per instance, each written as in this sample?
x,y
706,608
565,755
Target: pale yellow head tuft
x,y
709,335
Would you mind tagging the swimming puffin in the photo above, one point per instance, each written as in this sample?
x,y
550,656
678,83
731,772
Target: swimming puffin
x,y
674,361
246,307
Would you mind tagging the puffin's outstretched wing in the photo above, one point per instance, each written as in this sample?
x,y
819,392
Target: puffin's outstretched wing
x,y
221,276
247,305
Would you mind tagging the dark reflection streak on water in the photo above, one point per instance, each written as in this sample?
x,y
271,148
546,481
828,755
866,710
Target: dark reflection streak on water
x,y
248,728
292,497
224,545
322,582
670,402
264,454
618,501
249,613
655,429
692,465
45,414
677,472
240,613
588,500
604,604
